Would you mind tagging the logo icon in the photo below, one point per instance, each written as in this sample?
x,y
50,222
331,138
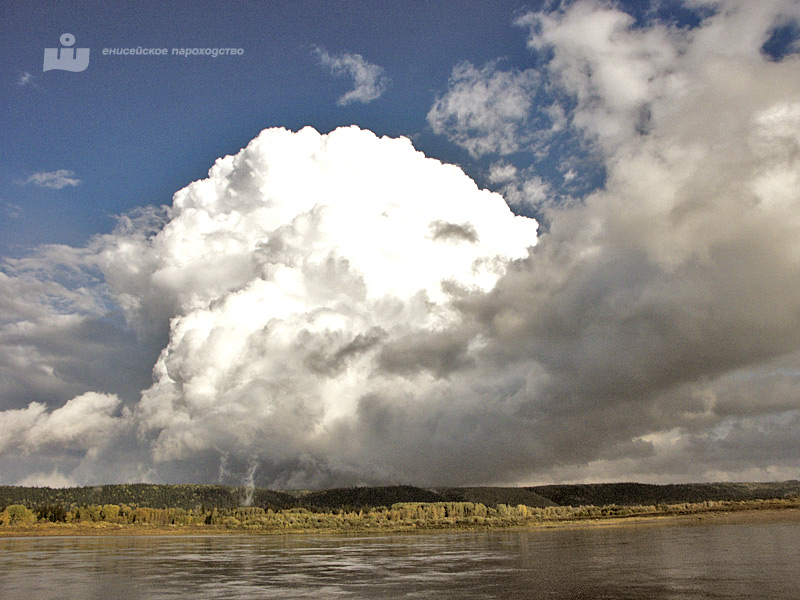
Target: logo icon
x,y
66,59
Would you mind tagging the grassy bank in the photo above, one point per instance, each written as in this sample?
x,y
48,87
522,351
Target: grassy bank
x,y
401,517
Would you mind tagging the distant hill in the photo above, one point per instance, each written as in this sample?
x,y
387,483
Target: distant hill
x,y
145,494
366,497
492,496
356,498
601,494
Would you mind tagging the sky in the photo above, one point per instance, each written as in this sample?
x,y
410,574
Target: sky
x,y
315,244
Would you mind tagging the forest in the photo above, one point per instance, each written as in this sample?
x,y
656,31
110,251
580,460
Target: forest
x,y
193,497
366,508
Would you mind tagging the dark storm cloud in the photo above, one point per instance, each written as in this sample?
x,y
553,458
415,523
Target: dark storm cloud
x,y
442,230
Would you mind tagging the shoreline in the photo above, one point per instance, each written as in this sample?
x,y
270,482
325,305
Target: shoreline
x,y
708,517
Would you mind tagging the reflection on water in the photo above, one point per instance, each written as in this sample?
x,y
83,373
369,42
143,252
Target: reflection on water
x,y
749,560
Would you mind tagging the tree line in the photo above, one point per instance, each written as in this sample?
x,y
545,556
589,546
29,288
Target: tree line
x,y
399,516
200,499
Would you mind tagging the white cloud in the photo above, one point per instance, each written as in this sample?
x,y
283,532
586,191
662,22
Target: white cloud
x,y
53,479
626,78
368,79
614,71
84,423
11,210
339,246
527,192
53,179
485,110
521,189
26,79
502,172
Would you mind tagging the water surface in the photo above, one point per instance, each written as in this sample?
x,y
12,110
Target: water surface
x,y
680,561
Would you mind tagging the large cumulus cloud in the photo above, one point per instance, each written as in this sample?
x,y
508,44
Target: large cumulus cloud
x,y
305,280
333,251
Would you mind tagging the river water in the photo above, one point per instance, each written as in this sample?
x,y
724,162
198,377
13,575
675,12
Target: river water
x,y
677,561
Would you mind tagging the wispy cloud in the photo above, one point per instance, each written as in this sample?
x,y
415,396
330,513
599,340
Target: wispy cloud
x,y
26,79
12,211
53,179
368,79
485,110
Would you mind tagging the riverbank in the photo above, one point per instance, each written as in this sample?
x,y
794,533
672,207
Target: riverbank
x,y
723,514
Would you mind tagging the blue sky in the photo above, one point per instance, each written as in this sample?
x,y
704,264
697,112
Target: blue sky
x,y
136,129
133,130
341,305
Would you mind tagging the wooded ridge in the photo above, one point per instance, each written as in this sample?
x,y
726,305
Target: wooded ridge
x,y
207,497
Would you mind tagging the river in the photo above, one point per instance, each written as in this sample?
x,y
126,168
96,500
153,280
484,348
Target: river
x,y
677,561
